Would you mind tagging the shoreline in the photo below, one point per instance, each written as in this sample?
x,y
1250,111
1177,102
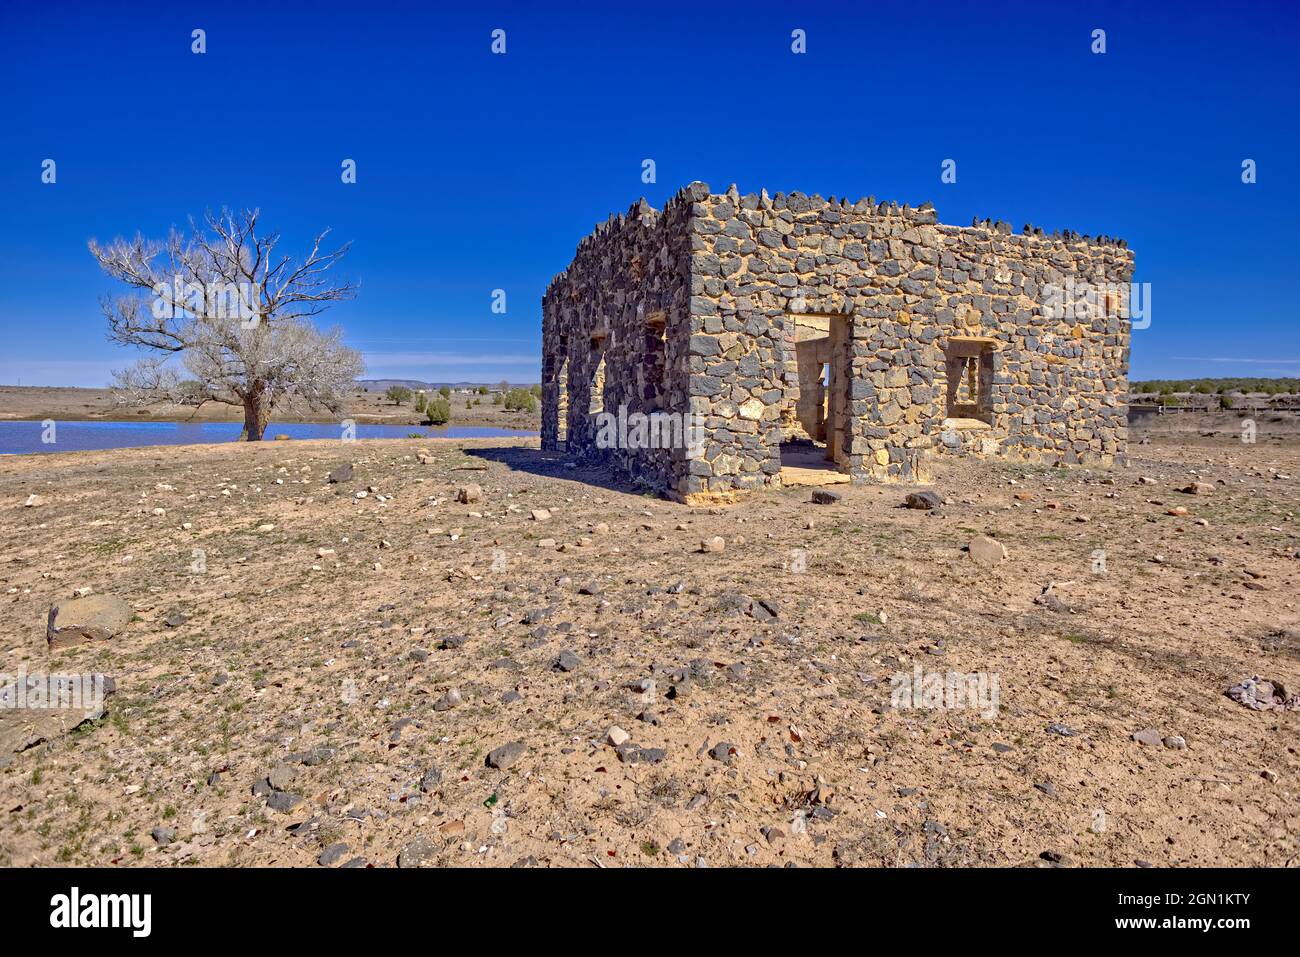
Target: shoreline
x,y
359,419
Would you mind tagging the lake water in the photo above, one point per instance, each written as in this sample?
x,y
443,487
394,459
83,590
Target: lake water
x,y
25,437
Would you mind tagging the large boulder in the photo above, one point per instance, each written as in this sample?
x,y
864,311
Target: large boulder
x,y
987,551
923,500
92,618
44,708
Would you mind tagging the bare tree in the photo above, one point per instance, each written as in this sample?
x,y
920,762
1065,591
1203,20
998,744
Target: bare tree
x,y
238,316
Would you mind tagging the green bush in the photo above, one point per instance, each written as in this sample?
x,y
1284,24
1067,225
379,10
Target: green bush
x,y
520,400
398,394
438,411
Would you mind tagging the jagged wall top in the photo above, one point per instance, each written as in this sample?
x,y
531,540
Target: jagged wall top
x,y
642,214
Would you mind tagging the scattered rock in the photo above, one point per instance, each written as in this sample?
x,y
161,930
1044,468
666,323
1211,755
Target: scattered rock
x,y
448,701
468,494
332,854
824,496
163,835
923,500
1263,694
93,618
987,551
341,474
634,754
282,777
567,661
432,778
713,545
418,853
506,755
723,751
617,736
1148,736
283,802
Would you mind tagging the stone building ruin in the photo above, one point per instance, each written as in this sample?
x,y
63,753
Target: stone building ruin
x,y
820,340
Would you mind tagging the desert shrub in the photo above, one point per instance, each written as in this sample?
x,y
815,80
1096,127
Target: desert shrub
x,y
438,411
520,400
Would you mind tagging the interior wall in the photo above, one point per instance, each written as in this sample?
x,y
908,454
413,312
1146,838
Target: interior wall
x,y
811,355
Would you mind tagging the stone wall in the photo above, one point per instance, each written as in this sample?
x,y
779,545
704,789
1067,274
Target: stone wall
x,y
614,337
906,287
905,300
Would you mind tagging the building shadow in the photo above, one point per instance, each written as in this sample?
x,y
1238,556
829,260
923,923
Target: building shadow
x,y
555,465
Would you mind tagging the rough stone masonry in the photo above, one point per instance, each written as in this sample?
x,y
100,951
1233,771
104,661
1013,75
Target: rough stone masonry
x,y
864,335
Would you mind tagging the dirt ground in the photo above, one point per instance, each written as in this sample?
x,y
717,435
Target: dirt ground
x,y
370,408
322,633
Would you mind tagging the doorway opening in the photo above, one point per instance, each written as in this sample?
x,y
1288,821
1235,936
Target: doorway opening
x,y
813,429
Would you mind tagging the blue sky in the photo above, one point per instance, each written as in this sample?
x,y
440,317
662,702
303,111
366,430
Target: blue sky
x,y
477,171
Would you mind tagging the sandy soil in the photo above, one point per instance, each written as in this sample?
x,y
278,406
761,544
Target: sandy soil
x,y
770,705
65,404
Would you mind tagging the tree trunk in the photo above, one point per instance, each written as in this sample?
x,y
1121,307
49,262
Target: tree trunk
x,y
257,415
